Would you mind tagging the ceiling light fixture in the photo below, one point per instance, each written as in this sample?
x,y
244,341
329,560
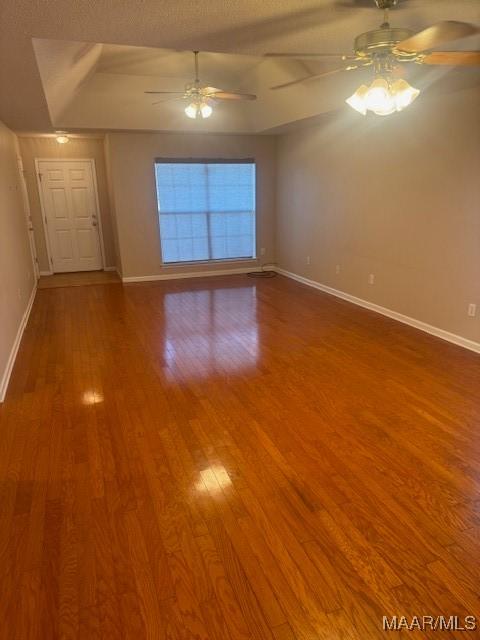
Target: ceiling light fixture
x,y
201,97
200,108
61,137
383,96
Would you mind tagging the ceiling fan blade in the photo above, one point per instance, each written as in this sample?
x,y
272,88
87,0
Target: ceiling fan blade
x,y
307,56
166,100
369,4
436,35
227,95
176,93
316,76
457,58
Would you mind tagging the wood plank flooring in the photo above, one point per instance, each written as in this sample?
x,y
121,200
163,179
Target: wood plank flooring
x,y
77,279
232,459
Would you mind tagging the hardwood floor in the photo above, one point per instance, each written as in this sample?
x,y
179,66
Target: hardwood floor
x,y
230,459
77,279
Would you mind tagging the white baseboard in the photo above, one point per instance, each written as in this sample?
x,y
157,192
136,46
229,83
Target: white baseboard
x,y
13,353
412,322
188,274
50,273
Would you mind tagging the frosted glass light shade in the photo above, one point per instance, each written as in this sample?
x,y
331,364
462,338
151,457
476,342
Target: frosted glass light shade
x,y
192,110
378,96
357,100
196,109
404,94
383,97
205,110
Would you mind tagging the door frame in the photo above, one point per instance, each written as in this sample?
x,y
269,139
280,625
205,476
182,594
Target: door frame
x,y
97,204
28,217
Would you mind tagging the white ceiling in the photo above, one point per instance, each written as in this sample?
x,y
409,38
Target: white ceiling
x,y
60,75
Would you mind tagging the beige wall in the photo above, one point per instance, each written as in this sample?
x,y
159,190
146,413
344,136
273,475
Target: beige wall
x,y
111,198
16,268
38,147
131,168
398,197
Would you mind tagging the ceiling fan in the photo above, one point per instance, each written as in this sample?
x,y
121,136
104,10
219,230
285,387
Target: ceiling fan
x,y
201,97
385,49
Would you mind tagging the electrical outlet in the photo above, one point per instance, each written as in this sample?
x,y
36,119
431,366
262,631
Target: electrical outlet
x,y
309,260
371,279
337,268
472,310
263,251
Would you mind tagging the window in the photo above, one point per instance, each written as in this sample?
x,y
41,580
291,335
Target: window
x,y
206,209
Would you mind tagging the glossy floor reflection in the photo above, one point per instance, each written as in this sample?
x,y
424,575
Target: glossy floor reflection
x,y
210,332
231,459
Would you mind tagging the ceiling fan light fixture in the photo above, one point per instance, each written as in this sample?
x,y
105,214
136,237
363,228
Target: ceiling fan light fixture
x,y
196,109
383,97
357,100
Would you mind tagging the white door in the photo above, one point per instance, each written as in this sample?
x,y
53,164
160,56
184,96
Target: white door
x,y
71,216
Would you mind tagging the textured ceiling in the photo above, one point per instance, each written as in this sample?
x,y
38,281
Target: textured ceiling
x,y
90,86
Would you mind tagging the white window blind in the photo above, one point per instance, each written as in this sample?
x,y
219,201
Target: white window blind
x,y
206,209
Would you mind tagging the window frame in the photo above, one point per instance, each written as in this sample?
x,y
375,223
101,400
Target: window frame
x,y
205,160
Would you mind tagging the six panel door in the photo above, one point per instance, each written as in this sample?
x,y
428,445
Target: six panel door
x,y
71,215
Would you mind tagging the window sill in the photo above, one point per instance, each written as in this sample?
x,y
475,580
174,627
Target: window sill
x,y
175,265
